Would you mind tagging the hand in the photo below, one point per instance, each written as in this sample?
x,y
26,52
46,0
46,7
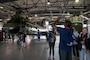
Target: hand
x,y
88,51
71,44
82,42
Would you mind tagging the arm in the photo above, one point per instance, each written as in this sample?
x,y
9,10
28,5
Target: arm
x,y
70,38
80,41
58,29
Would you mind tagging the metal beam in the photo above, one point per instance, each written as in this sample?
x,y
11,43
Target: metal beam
x,y
86,12
4,1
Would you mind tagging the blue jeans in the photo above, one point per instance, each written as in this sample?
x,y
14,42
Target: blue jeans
x,y
88,56
82,53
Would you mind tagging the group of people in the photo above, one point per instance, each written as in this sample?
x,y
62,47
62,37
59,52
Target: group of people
x,y
7,37
70,41
10,38
82,45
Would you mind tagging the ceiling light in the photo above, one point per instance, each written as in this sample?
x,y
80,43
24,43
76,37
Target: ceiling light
x,y
48,2
1,7
68,13
35,15
0,19
76,1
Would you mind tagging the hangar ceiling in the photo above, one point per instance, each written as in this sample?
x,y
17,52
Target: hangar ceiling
x,y
40,7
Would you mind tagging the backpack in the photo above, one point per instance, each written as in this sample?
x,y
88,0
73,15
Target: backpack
x,y
52,37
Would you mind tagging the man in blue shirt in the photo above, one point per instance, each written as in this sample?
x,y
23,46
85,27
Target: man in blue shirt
x,y
38,34
66,40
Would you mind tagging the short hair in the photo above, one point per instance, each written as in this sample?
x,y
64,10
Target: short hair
x,y
84,28
68,23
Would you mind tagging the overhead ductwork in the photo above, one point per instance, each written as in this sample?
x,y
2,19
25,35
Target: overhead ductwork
x,y
3,1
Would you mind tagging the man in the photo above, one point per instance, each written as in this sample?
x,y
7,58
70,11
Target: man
x,y
38,35
66,40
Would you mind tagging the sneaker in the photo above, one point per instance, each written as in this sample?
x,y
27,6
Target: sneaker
x,y
53,58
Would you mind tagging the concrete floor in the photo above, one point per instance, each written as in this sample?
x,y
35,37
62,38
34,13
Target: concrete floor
x,y
35,51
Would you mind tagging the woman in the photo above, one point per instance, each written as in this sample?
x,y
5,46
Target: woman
x,y
87,44
51,44
81,43
52,40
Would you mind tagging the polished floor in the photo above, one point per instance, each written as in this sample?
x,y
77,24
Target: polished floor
x,y
34,51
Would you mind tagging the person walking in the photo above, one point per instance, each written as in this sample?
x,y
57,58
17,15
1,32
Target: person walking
x,y
23,37
52,39
13,38
38,35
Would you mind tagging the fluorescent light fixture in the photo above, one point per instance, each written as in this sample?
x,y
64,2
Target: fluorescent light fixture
x,y
76,1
